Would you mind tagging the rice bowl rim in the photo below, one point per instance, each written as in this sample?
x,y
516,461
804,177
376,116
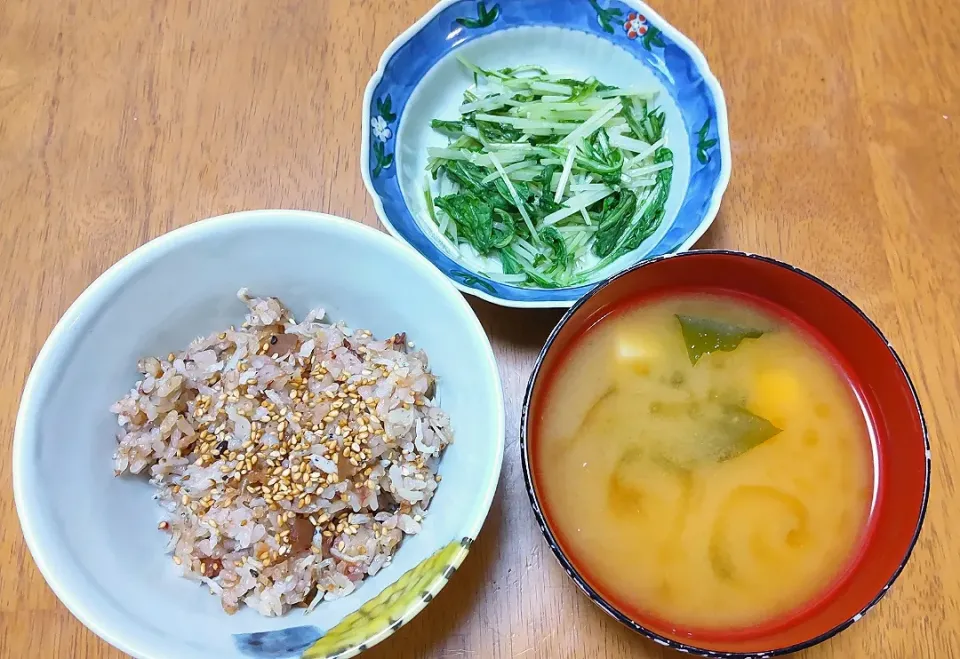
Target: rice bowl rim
x,y
44,370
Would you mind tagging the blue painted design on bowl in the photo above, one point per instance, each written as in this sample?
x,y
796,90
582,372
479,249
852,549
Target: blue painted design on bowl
x,y
674,61
485,17
278,644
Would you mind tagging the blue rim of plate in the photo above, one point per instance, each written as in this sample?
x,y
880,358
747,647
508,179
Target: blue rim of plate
x,y
628,24
596,597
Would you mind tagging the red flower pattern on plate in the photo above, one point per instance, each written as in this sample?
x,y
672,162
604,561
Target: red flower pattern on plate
x,y
636,25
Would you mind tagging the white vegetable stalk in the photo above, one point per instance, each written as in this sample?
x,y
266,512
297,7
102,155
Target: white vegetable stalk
x,y
551,88
588,187
652,169
646,95
526,175
486,104
527,124
593,124
493,176
621,141
516,198
475,158
574,204
541,108
643,155
565,174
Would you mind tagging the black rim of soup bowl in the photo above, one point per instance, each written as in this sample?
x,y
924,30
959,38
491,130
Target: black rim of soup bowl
x,y
598,599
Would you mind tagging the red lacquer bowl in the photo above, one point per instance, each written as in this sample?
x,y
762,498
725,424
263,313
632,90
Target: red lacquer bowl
x,y
903,449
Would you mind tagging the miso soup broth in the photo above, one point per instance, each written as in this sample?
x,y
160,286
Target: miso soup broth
x,y
704,462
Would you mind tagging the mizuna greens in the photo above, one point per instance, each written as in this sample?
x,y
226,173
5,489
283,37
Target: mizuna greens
x,y
548,177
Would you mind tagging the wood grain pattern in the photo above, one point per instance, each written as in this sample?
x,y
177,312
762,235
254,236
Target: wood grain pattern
x,y
121,120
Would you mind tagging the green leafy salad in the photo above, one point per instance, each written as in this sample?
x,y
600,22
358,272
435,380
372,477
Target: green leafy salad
x,y
546,179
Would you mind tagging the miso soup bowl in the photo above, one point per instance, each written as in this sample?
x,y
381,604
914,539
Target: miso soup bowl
x,y
902,447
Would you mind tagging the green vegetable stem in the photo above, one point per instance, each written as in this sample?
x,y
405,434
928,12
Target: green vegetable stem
x,y
547,179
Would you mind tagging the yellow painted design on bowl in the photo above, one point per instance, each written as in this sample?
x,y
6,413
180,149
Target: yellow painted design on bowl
x,y
393,607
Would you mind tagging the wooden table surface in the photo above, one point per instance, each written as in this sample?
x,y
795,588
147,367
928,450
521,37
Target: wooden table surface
x,y
123,119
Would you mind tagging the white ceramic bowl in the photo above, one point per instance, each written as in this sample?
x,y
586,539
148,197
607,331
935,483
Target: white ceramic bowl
x,y
94,536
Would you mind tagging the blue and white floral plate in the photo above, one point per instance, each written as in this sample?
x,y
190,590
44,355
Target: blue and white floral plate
x,y
620,42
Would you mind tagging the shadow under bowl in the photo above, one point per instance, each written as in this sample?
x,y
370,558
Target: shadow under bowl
x,y
868,360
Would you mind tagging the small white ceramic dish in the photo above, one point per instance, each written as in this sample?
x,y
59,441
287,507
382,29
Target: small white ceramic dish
x,y
622,43
94,536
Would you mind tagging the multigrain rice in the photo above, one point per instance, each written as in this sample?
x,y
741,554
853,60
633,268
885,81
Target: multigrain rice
x,y
291,458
